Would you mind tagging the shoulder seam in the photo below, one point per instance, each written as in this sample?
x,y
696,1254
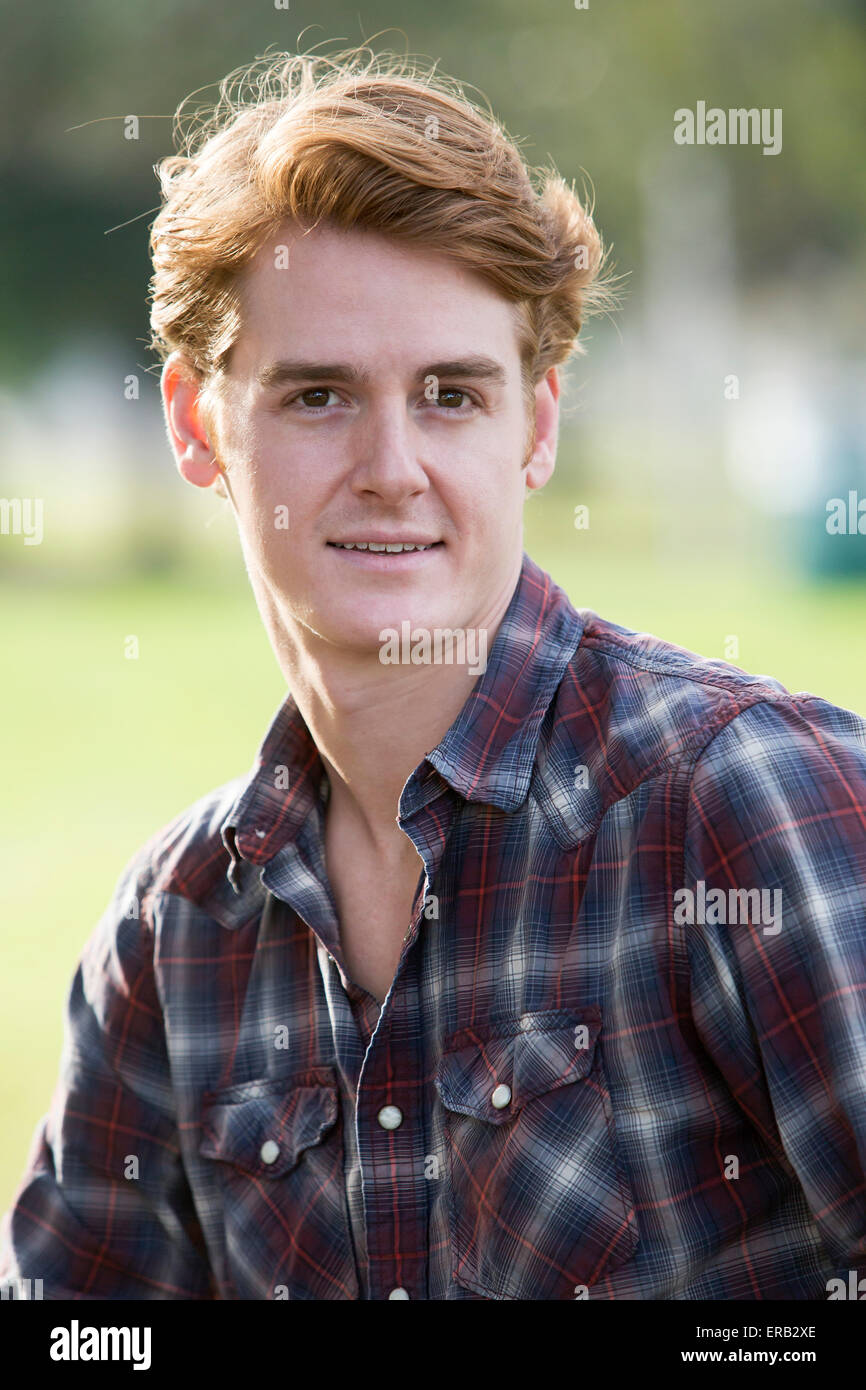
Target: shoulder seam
x,y
699,753
718,679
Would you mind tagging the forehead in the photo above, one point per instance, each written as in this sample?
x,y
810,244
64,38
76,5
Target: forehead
x,y
363,290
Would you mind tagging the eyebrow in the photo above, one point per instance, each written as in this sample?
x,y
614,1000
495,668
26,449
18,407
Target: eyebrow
x,y
476,368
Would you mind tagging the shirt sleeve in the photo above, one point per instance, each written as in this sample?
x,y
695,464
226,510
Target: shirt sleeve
x,y
777,803
104,1210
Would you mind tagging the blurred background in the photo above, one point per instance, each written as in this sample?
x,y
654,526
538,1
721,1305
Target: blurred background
x,y
706,433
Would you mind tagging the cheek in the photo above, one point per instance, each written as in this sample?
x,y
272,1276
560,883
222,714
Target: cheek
x,y
270,495
285,522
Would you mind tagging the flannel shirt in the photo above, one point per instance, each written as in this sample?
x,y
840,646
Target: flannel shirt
x,y
623,1055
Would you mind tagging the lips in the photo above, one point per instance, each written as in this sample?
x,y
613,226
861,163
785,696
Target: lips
x,y
374,546
384,559
384,541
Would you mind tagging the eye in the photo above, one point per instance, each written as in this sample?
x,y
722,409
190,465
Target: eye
x,y
314,398
445,398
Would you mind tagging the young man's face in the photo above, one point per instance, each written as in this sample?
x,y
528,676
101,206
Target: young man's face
x,y
328,419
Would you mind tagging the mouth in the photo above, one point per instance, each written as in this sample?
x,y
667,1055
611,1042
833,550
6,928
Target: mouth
x,y
386,555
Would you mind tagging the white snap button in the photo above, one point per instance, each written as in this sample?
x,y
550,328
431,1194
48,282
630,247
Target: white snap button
x,y
501,1096
269,1152
390,1116
398,1293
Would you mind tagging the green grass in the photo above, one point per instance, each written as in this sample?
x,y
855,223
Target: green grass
x,y
99,751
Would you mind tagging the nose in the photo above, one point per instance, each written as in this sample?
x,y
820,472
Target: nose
x,y
388,457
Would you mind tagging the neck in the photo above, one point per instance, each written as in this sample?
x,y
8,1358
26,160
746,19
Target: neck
x,y
373,723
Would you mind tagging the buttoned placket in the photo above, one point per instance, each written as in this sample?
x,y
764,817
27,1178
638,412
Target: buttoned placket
x,y
383,1167
390,1121
386,1150
390,1142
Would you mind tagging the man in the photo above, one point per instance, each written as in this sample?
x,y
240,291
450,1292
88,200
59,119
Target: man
x,y
541,977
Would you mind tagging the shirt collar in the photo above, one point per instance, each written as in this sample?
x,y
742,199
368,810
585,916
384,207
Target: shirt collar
x,y
487,754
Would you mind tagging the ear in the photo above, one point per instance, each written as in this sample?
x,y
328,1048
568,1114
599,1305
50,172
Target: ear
x,y
542,459
187,432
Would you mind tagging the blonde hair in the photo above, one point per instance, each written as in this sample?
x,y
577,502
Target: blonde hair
x,y
379,142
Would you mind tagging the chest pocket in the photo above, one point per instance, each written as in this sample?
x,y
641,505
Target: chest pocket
x,y
540,1206
278,1147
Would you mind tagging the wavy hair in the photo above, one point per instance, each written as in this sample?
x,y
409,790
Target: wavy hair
x,y
375,141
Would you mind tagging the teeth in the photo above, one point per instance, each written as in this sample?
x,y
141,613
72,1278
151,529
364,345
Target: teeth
x,y
375,545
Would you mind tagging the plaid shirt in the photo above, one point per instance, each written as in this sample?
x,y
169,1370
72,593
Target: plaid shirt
x,y
594,1075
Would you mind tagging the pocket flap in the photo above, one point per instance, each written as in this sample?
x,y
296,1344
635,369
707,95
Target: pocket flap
x,y
292,1113
530,1054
